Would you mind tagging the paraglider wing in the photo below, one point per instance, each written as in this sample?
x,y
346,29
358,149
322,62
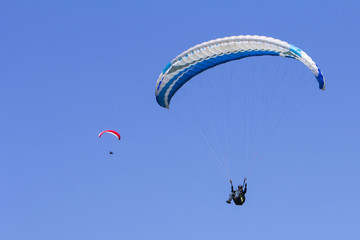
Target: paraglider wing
x,y
210,54
116,134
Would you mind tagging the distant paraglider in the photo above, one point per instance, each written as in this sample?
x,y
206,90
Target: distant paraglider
x,y
112,132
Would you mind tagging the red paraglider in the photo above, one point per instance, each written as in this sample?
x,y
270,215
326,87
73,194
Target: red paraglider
x,y
116,134
112,132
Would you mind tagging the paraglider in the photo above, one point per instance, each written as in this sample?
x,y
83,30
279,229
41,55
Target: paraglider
x,y
215,52
112,132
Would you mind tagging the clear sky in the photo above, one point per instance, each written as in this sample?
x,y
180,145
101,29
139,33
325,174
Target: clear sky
x,y
70,69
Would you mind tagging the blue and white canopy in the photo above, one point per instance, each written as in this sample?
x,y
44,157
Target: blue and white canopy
x,y
212,53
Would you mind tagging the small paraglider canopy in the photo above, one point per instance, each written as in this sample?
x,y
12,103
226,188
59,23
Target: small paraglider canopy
x,y
116,134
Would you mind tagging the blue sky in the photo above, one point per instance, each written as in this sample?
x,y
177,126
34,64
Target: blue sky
x,y
70,69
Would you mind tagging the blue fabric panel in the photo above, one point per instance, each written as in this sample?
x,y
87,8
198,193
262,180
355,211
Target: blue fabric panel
x,y
295,50
167,67
320,79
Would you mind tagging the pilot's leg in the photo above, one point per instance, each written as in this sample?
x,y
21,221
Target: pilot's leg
x,y
231,195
